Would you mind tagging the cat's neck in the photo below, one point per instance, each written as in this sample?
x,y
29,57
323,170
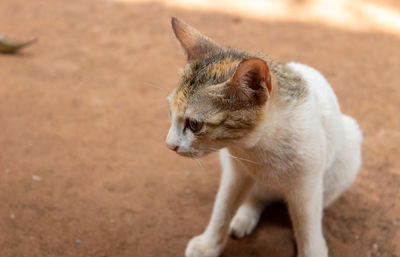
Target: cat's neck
x,y
288,93
290,86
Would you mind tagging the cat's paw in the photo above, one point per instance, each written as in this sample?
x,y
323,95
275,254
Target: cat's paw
x,y
202,246
244,222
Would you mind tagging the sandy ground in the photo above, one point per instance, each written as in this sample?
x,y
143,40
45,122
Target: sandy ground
x,y
84,170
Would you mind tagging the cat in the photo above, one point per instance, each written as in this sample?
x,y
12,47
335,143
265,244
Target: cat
x,y
280,134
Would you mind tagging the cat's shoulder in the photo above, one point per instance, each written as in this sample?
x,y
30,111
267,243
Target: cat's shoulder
x,y
317,86
313,79
296,81
291,83
309,74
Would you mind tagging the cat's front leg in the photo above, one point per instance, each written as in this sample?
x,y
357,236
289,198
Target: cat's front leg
x,y
305,202
234,186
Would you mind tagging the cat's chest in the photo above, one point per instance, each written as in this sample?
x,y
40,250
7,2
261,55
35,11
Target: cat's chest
x,y
273,168
275,172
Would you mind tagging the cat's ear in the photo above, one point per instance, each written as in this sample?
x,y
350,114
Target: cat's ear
x,y
251,81
195,44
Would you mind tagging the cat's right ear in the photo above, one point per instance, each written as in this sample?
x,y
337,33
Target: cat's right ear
x,y
195,44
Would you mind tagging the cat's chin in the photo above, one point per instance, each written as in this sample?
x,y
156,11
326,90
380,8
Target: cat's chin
x,y
194,155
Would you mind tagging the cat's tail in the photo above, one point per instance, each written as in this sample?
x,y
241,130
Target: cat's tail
x,y
352,130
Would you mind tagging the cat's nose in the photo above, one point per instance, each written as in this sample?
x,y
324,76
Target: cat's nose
x,y
173,147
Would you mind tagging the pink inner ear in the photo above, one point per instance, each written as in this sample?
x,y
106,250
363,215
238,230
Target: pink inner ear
x,y
252,79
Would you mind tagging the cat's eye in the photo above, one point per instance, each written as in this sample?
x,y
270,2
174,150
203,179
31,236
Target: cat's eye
x,y
194,125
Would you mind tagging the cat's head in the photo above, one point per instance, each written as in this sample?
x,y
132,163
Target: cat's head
x,y
220,96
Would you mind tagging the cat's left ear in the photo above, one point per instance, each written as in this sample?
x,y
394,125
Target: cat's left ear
x,y
251,81
195,44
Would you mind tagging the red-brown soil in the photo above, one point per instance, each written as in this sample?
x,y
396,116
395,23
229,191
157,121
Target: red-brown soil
x,y
84,170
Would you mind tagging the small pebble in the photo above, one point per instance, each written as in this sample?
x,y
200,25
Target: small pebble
x,y
12,216
187,191
7,171
36,178
375,247
78,241
112,220
356,237
187,174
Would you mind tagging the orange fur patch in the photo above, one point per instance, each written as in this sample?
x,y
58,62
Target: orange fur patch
x,y
179,102
221,67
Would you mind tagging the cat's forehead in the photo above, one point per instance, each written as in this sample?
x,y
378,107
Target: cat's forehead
x,y
178,101
196,76
212,69
182,105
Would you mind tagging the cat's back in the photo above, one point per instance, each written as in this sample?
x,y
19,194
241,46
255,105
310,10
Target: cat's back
x,y
324,104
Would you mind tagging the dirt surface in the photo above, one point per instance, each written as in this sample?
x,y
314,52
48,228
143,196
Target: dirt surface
x,y
84,170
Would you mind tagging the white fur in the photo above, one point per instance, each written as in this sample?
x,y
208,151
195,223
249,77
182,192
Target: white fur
x,y
306,154
176,137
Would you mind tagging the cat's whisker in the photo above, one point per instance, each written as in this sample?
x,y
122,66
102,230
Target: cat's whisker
x,y
243,159
236,157
156,87
213,149
197,160
200,163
